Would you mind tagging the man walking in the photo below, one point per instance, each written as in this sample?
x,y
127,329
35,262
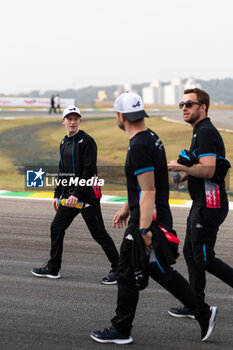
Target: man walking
x,y
57,103
52,105
204,166
78,156
148,191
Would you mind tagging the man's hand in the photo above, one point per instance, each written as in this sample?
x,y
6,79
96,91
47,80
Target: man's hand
x,y
174,166
178,183
147,240
55,204
72,201
121,216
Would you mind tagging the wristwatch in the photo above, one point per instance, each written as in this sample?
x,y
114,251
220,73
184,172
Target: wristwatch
x,y
144,230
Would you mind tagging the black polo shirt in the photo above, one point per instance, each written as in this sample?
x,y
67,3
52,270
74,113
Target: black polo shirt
x,y
146,153
207,141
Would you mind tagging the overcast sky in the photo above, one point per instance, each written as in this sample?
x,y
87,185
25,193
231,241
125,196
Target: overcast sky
x,y
59,44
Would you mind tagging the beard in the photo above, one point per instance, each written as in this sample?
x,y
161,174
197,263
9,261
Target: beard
x,y
121,126
192,118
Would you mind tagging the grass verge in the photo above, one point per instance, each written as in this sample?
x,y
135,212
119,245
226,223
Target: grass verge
x,y
46,134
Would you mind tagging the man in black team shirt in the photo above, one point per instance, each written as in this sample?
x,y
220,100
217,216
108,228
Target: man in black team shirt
x,y
205,167
78,156
148,190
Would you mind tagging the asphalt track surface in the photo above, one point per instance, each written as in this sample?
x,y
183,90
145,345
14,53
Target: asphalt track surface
x,y
44,314
222,119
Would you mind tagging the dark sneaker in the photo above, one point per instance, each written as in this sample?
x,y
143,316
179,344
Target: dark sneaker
x,y
111,335
207,324
180,312
110,279
44,272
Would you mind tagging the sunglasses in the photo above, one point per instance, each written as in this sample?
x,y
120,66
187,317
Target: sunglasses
x,y
188,104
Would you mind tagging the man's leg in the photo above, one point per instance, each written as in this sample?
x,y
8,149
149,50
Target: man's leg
x,y
201,235
179,287
128,294
203,240
127,298
197,277
93,218
61,222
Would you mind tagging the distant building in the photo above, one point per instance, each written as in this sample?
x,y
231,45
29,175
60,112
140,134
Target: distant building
x,y
121,89
153,94
102,100
128,87
117,92
170,94
191,84
173,92
102,95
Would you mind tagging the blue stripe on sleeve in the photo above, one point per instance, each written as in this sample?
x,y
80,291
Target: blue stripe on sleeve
x,y
207,154
219,157
194,153
144,170
184,155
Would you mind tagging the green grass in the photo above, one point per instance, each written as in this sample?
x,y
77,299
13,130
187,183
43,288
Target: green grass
x,y
28,140
113,143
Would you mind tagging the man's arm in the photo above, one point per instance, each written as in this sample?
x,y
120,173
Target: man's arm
x,y
147,201
204,169
55,204
89,165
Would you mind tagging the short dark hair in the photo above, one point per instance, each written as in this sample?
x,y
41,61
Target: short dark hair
x,y
134,121
202,96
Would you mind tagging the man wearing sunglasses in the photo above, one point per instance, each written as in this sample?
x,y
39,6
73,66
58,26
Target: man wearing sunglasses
x,y
148,189
205,167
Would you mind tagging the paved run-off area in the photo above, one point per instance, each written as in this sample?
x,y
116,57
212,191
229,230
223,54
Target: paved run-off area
x,y
44,314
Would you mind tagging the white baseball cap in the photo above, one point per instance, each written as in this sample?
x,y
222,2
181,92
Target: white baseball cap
x,y
70,110
131,105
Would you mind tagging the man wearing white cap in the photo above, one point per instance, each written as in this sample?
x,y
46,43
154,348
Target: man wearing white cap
x,y
150,220
78,157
